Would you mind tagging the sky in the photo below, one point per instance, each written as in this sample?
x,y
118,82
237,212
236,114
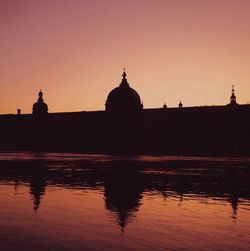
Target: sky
x,y
75,50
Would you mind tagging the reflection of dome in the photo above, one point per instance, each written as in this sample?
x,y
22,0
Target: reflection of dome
x,y
37,186
40,108
123,193
123,98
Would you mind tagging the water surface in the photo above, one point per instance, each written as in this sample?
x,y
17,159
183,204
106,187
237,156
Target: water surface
x,y
65,201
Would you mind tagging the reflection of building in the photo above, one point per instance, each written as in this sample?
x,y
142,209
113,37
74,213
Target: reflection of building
x,y
40,108
123,98
37,187
123,192
124,182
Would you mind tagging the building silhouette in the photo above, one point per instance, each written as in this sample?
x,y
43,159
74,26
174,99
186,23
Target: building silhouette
x,y
126,127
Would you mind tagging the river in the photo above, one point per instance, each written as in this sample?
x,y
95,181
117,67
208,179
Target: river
x,y
74,201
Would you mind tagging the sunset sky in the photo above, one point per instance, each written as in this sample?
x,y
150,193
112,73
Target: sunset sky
x,y
75,50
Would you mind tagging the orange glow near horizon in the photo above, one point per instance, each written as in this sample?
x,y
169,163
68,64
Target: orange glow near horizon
x,y
75,51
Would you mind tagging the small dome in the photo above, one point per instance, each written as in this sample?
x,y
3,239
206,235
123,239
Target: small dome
x,y
123,98
40,108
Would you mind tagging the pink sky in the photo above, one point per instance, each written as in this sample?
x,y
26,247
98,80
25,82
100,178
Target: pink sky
x,y
189,50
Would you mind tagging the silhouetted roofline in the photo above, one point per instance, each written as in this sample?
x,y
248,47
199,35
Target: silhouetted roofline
x,y
188,108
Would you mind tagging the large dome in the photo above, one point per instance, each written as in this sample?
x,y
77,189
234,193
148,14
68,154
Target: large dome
x,y
123,98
